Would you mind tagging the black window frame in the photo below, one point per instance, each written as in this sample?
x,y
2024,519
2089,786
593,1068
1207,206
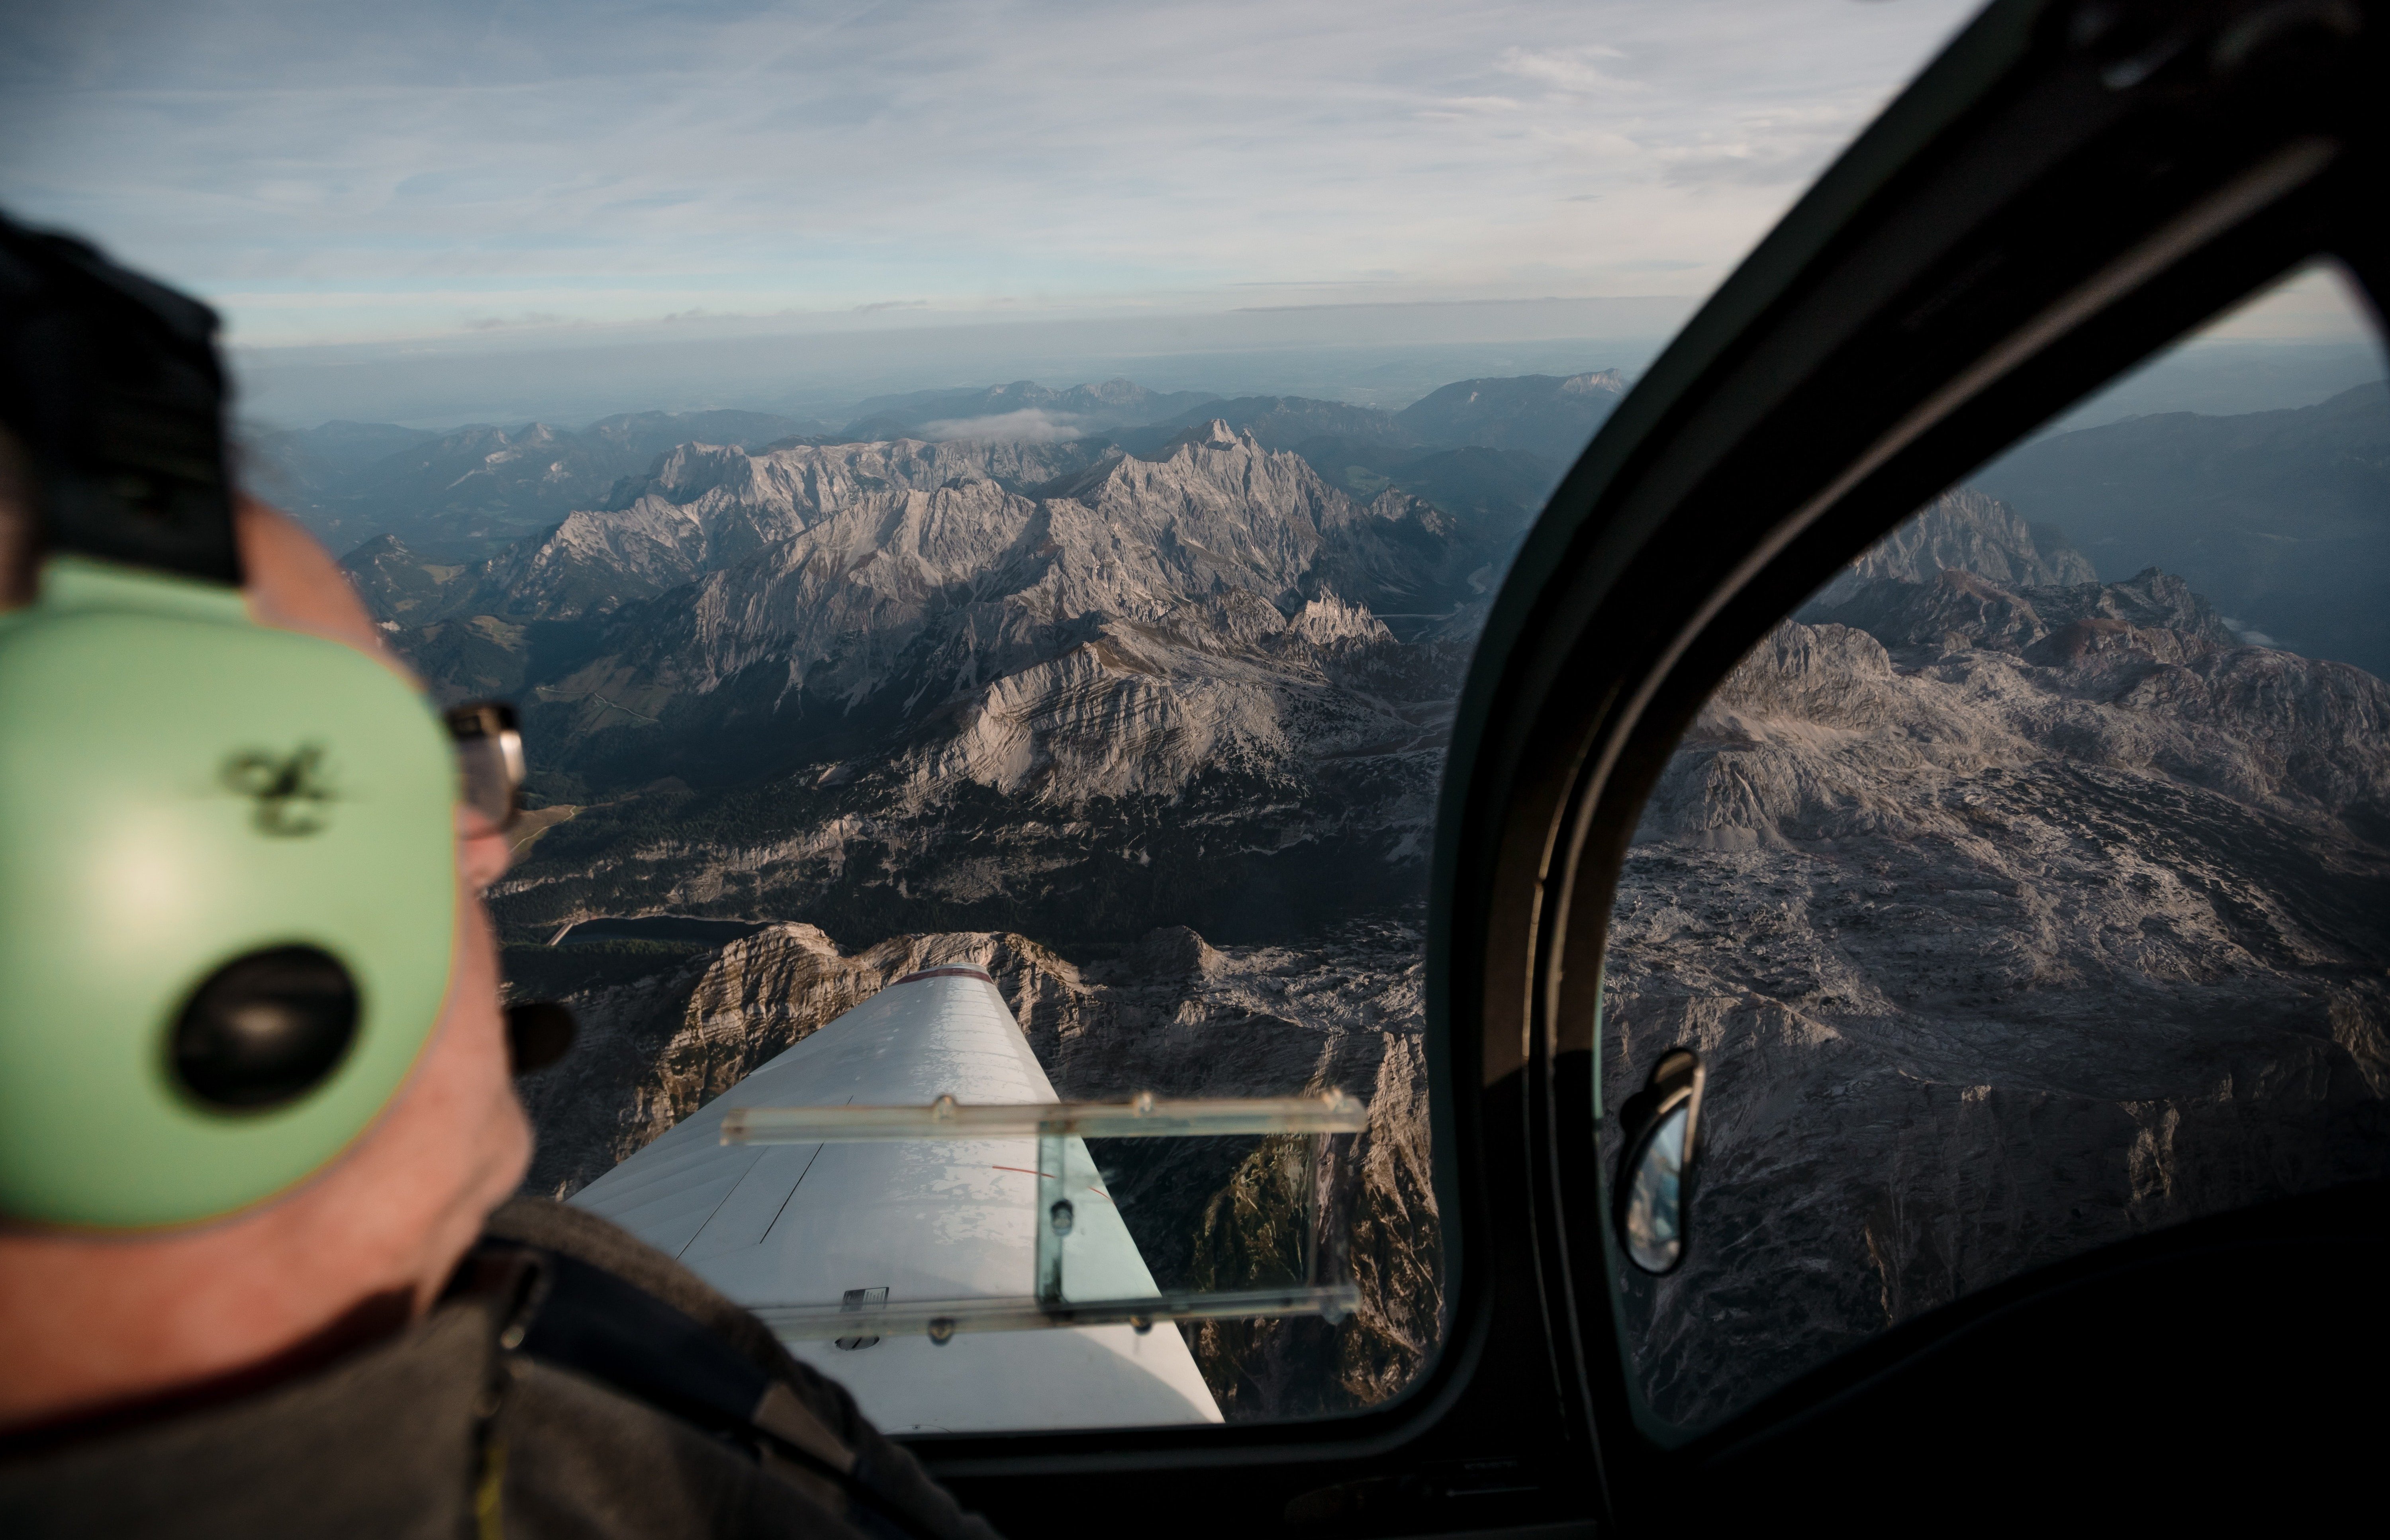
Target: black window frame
x,y
2065,190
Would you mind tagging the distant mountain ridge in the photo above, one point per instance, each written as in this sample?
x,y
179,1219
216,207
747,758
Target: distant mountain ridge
x,y
1548,416
1966,532
1489,452
464,493
2277,517
1281,422
1553,415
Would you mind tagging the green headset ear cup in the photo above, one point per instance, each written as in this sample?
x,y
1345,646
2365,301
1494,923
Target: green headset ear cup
x,y
180,787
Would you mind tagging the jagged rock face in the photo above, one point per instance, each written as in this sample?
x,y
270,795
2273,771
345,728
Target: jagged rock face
x,y
1171,1014
2155,614
702,508
1962,531
1068,638
951,686
1490,495
933,557
1381,1218
2037,919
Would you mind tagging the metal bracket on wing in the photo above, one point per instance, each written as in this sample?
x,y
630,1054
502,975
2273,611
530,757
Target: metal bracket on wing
x,y
1057,1126
942,1318
1144,1116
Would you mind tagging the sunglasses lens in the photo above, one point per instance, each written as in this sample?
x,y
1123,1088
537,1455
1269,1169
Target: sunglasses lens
x,y
489,754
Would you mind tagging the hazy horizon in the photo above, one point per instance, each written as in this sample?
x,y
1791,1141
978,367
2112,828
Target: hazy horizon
x,y
1371,355
824,379
471,212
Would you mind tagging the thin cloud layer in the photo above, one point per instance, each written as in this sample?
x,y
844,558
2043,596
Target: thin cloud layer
x,y
337,173
1030,424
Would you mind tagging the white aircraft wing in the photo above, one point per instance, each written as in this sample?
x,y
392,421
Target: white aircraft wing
x,y
867,1225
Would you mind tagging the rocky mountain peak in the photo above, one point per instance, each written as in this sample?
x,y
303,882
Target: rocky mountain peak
x,y
2152,616
688,470
1964,530
1328,620
2149,599
1213,433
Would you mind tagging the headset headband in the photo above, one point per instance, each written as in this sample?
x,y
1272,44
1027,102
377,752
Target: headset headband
x,y
113,384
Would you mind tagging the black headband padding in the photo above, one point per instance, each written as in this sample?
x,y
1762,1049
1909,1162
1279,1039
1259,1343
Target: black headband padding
x,y
113,385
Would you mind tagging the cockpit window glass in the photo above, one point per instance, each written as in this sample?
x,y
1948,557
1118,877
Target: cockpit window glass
x,y
982,514
2028,889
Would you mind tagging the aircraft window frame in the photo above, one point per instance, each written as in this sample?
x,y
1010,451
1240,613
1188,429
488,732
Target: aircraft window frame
x,y
1817,1383
1885,260
1674,888
1593,661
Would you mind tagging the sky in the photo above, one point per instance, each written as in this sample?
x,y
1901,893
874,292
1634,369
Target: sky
x,y
335,174
454,210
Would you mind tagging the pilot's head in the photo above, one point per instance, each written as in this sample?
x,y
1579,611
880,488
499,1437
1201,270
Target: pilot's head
x,y
172,1230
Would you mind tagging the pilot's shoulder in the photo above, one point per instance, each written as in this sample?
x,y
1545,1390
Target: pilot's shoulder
x,y
585,1237
614,1310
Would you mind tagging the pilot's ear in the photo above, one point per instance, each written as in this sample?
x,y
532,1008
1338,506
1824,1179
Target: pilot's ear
x,y
483,850
16,523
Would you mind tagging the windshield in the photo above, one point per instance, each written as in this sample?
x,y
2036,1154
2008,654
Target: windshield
x,y
983,512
